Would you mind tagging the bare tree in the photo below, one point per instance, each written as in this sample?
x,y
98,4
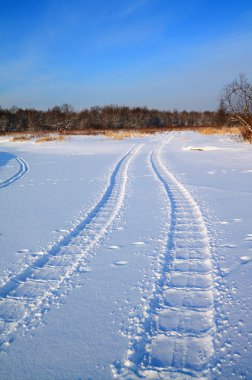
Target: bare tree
x,y
61,118
221,114
237,99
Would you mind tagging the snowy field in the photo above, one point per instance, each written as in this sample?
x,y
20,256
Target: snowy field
x,y
126,259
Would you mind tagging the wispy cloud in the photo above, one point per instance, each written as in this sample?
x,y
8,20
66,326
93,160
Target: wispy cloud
x,y
131,8
128,52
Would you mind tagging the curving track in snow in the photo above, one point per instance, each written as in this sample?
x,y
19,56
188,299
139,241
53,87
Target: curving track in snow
x,y
27,295
23,169
174,339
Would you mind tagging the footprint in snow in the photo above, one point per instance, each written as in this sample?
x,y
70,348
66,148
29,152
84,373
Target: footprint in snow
x,y
245,259
119,263
23,251
139,243
114,247
248,237
61,230
228,246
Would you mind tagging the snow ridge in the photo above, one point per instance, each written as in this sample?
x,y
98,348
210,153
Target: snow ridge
x,y
26,296
23,169
174,339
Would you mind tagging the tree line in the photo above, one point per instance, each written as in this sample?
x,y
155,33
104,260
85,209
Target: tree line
x,y
63,118
235,107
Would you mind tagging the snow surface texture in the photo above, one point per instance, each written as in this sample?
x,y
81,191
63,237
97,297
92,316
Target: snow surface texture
x,y
151,279
176,336
27,294
23,168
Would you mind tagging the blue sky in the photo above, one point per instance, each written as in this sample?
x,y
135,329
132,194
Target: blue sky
x,y
157,53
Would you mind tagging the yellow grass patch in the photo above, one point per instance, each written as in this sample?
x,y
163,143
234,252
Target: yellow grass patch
x,y
121,135
219,131
21,138
47,138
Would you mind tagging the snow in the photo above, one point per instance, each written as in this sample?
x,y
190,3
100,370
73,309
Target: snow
x,y
126,259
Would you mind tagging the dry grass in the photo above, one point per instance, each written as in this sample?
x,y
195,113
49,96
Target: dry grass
x,y
246,134
25,136
21,138
121,135
47,138
219,131
118,133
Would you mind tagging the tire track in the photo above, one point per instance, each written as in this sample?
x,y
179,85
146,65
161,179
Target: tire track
x,y
27,295
23,169
175,338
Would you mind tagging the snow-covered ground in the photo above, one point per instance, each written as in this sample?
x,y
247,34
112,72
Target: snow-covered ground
x,y
126,259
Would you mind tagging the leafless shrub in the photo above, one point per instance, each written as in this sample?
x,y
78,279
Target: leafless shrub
x,y
237,98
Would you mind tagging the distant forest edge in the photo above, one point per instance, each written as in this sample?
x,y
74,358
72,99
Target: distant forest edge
x,y
65,120
235,110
